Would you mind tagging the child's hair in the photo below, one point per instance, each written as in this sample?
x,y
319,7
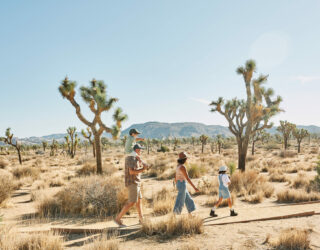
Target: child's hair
x,y
182,161
222,172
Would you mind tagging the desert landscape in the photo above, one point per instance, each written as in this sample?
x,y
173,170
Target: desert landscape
x,y
159,125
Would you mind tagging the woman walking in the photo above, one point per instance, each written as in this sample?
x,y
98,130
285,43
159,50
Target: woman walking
x,y
181,179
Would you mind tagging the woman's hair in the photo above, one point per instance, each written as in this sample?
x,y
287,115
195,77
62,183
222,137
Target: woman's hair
x,y
182,161
222,172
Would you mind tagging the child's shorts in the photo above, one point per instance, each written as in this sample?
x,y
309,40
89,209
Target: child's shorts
x,y
224,193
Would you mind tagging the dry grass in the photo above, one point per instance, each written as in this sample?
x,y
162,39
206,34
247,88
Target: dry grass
x,y
90,196
250,183
104,243
287,154
292,239
300,195
9,240
86,169
173,226
208,186
26,171
277,177
4,162
163,202
196,171
189,246
301,181
6,186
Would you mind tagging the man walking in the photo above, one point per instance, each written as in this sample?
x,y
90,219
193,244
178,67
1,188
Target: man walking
x,y
133,182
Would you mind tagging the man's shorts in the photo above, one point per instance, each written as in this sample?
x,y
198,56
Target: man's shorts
x,y
134,193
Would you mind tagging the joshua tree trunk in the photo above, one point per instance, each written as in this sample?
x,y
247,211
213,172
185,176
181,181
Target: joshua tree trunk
x,y
19,155
94,149
299,148
252,150
97,142
202,148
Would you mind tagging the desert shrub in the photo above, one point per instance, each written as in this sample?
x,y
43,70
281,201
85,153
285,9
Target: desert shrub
x,y
3,162
189,246
277,177
300,195
315,184
163,202
159,166
255,198
6,186
91,196
232,167
287,154
104,243
173,226
271,146
314,150
167,175
26,171
294,239
208,186
301,181
86,169
250,158
250,183
10,240
196,171
163,149
56,182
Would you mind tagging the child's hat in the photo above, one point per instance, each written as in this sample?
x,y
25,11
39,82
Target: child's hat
x,y
223,169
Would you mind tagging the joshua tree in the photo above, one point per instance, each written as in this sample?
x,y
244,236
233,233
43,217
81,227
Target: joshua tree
x,y
212,146
193,140
219,140
54,147
124,140
286,129
44,145
246,117
258,136
203,139
8,140
96,97
72,141
148,144
88,136
176,142
300,134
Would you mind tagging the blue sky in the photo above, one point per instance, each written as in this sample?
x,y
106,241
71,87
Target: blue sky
x,y
165,60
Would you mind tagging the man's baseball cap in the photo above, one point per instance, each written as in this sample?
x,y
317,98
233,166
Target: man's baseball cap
x,y
133,131
137,146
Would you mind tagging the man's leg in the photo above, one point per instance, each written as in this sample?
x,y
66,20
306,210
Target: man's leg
x,y
139,209
123,212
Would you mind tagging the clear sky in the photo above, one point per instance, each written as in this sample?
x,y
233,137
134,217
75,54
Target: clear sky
x,y
165,60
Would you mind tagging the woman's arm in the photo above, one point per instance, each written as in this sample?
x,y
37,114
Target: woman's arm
x,y
139,139
184,172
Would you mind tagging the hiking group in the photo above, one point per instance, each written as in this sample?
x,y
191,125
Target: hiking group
x,y
134,166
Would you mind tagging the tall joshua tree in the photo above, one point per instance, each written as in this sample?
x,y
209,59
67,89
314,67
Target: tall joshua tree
x,y
219,140
72,141
9,140
203,139
246,117
44,145
88,136
300,134
286,128
96,97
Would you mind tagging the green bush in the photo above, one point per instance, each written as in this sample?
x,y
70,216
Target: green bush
x,y
163,149
232,167
196,171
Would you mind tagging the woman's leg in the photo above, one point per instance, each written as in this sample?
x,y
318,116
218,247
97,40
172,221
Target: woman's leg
x,y
181,186
189,202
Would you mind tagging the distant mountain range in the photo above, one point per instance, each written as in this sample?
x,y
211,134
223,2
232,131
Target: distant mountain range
x,y
163,130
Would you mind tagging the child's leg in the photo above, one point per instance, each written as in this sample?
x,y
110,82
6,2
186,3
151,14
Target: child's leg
x,y
230,203
218,203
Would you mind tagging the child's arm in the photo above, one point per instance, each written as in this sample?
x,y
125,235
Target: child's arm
x,y
184,172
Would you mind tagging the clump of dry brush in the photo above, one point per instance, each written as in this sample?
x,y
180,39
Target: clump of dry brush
x,y
90,196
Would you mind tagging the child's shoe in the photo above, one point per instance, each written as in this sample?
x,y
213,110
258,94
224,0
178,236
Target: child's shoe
x,y
213,214
233,213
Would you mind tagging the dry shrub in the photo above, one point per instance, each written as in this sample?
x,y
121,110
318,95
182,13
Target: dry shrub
x,y
314,150
208,186
271,146
104,243
173,226
287,153
159,166
10,240
213,200
250,158
292,238
163,202
277,177
196,171
301,181
90,196
167,175
4,162
56,182
255,198
6,186
86,169
189,246
250,183
300,195
26,171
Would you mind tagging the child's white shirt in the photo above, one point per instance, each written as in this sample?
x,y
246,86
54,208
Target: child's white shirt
x,y
225,180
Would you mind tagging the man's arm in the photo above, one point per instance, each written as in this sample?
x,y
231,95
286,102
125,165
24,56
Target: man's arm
x,y
135,172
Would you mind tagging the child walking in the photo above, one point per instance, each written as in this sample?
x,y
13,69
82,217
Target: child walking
x,y
181,179
224,193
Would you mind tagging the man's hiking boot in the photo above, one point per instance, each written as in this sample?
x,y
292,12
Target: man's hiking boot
x,y
213,214
233,213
